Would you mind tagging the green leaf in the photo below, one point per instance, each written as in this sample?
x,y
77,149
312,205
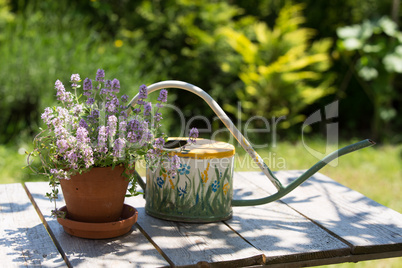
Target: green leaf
x,y
368,73
393,63
352,44
349,31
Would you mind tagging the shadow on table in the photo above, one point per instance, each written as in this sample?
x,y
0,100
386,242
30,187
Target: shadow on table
x,y
28,247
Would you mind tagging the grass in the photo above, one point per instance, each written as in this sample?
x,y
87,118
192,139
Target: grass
x,y
375,172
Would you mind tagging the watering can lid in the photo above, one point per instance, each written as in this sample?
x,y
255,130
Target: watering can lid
x,y
204,149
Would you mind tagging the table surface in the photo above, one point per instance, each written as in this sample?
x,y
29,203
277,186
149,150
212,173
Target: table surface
x,y
321,222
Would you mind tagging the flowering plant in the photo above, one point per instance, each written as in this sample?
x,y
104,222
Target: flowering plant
x,y
96,128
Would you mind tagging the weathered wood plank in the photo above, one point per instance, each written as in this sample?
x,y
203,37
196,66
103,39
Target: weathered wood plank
x,y
24,241
280,232
187,244
336,260
363,223
130,250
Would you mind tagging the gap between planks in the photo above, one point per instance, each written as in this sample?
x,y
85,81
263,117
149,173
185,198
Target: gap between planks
x,y
48,229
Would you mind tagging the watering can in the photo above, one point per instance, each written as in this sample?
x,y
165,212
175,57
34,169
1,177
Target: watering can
x,y
202,189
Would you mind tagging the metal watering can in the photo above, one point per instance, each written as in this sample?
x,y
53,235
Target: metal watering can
x,y
202,190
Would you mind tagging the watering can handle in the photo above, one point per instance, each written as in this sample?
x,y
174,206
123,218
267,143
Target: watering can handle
x,y
246,145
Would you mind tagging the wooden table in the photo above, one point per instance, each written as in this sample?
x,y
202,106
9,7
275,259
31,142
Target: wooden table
x,y
321,222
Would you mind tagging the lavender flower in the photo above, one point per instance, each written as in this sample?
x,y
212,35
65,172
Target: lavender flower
x,y
158,117
110,107
100,75
119,146
102,138
47,116
83,124
90,101
116,85
174,165
123,114
193,136
103,91
138,132
122,125
108,85
72,158
75,78
77,109
82,136
112,125
159,143
60,132
62,145
143,92
147,109
135,130
163,95
61,94
124,98
87,155
87,87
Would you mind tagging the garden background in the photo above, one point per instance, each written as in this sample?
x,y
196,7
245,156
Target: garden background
x,y
276,58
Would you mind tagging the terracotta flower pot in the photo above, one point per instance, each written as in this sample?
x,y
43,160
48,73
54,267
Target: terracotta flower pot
x,y
95,196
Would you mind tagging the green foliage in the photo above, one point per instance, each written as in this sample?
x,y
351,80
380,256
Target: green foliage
x,y
281,70
41,45
376,47
149,41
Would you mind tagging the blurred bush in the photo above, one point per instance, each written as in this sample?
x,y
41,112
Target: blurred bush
x,y
44,43
235,50
374,49
281,69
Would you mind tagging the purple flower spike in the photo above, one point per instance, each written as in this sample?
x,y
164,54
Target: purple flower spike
x,y
159,143
174,165
143,92
116,85
83,124
108,85
163,95
147,109
90,101
87,86
124,98
100,75
193,135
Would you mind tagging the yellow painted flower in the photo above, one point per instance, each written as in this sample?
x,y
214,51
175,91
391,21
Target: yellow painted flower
x,y
171,183
204,175
226,188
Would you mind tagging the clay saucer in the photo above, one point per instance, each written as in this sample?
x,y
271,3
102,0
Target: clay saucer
x,y
103,230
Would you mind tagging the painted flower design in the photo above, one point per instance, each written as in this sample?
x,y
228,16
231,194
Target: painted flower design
x,y
215,185
204,175
226,188
184,169
182,191
160,182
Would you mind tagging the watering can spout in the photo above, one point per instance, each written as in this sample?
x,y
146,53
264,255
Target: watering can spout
x,y
282,191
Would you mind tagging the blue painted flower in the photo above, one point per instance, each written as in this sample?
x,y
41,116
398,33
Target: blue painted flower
x,y
184,169
182,191
160,182
215,185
